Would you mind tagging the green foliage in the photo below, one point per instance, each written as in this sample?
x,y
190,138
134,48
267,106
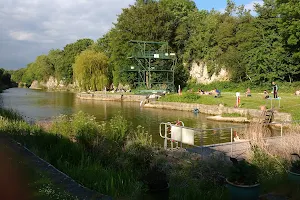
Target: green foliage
x,y
86,165
118,129
185,97
243,173
295,164
10,114
198,178
253,49
91,70
17,75
80,125
5,79
70,51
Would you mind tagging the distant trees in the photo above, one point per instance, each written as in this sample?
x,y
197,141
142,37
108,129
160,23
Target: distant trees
x,y
259,48
5,79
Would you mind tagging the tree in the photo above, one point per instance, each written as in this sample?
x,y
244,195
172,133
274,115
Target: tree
x,y
65,64
288,12
17,75
91,70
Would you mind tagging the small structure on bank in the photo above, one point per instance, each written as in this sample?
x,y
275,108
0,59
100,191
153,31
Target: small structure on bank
x,y
153,65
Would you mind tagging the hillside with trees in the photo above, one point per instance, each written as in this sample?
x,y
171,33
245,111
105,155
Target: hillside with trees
x,y
256,48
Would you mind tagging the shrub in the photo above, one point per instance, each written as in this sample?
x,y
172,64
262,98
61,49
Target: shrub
x,y
243,173
295,165
118,129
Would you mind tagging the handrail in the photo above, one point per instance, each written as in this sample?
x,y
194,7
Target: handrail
x,y
201,131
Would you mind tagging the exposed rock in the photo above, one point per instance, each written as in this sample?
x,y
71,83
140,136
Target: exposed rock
x,y
35,85
215,109
199,72
53,84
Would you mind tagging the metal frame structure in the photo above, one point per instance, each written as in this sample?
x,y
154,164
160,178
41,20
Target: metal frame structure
x,y
150,59
165,132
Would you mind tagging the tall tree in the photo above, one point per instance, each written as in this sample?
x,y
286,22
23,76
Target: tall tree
x,y
65,66
91,70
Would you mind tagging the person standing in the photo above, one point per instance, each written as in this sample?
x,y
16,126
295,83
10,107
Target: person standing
x,y
275,90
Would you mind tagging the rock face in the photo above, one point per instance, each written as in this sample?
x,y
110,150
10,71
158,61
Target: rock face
x,y
52,84
35,85
200,74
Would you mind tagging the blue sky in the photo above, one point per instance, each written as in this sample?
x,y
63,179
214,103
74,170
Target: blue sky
x,y
221,4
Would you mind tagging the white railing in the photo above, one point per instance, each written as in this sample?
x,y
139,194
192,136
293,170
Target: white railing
x,y
181,135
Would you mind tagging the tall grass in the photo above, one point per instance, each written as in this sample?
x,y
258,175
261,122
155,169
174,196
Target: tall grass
x,y
78,146
273,156
10,114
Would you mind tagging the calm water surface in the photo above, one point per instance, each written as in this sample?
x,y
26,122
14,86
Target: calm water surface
x,y
38,105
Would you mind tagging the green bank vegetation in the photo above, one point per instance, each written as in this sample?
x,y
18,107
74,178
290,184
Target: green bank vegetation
x,y
112,157
5,79
254,49
289,103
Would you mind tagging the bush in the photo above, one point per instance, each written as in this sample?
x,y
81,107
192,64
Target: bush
x,y
118,129
243,173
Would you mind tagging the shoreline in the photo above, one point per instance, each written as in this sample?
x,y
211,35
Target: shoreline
x,y
215,110
111,97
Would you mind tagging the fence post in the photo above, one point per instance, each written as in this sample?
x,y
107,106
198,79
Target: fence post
x,y
231,138
166,140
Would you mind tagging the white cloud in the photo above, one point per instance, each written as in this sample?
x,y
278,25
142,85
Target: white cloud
x,y
20,35
250,6
47,24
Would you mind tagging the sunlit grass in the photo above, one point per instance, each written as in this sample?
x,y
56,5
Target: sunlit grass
x,y
289,103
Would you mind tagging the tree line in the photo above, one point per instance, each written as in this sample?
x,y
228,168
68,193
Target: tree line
x,y
5,79
257,48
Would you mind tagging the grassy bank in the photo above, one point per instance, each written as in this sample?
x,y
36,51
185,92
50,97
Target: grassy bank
x,y
113,157
289,103
226,86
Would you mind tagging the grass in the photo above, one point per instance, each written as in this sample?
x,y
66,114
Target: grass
x,y
43,188
92,159
112,157
289,103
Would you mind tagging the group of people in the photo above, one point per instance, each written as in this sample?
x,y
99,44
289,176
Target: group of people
x,y
217,92
266,94
274,91
214,92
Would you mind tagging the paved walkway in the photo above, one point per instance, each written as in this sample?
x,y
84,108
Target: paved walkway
x,y
235,149
13,185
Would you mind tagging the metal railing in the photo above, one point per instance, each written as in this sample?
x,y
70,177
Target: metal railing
x,y
186,135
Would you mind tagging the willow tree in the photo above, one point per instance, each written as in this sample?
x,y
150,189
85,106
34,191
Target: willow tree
x,y
91,70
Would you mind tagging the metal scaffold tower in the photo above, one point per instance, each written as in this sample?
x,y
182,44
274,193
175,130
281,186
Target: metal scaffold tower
x,y
154,64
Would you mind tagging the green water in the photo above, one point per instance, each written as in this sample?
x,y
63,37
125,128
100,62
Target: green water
x,y
37,105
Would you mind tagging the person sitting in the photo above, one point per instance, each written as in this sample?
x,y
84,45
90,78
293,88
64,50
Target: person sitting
x,y
217,93
266,94
201,91
248,92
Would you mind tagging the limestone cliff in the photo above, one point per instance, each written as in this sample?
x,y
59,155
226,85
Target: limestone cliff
x,y
199,73
52,84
